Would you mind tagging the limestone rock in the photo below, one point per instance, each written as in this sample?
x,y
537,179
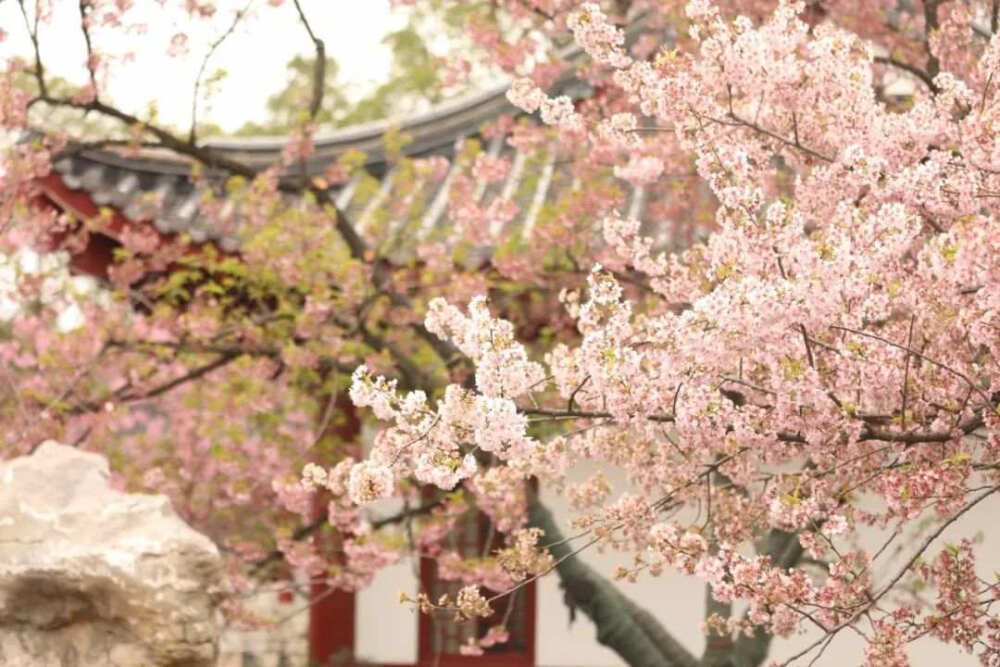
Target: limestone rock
x,y
90,576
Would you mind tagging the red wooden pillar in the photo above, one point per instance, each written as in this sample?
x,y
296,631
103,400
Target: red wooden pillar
x,y
331,614
331,625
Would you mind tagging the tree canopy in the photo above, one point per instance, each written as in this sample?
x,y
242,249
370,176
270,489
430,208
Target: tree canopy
x,y
761,283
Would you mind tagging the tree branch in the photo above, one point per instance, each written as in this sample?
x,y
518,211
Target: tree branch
x,y
32,28
911,69
792,143
319,70
931,24
84,9
213,159
873,600
305,531
193,374
206,156
913,352
193,132
785,552
869,432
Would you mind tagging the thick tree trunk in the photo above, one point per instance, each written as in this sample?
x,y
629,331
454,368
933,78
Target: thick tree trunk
x,y
628,630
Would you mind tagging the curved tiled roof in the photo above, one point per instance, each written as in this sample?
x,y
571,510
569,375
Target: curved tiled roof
x,y
156,185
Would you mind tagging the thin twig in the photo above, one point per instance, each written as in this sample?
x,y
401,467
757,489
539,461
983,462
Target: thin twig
x,y
319,70
872,601
214,159
320,521
193,132
809,351
940,365
32,28
906,369
84,9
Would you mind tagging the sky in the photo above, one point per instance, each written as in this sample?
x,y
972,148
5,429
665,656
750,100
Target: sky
x,y
254,56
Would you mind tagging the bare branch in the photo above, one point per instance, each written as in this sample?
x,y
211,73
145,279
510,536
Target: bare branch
x,y
736,120
32,28
924,77
870,432
310,528
794,143
931,25
906,370
193,133
929,540
319,70
193,374
91,63
213,159
166,139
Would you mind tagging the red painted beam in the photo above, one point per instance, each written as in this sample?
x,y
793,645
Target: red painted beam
x,y
98,256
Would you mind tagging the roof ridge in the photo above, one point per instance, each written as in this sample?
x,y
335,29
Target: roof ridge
x,y
494,95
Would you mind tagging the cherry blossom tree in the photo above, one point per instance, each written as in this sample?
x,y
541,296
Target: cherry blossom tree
x,y
807,355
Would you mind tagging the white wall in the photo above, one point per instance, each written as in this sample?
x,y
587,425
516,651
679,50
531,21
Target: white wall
x,y
385,629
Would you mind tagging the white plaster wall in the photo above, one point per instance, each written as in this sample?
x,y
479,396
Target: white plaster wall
x,y
385,629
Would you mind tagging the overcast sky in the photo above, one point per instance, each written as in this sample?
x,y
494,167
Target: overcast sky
x,y
254,56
